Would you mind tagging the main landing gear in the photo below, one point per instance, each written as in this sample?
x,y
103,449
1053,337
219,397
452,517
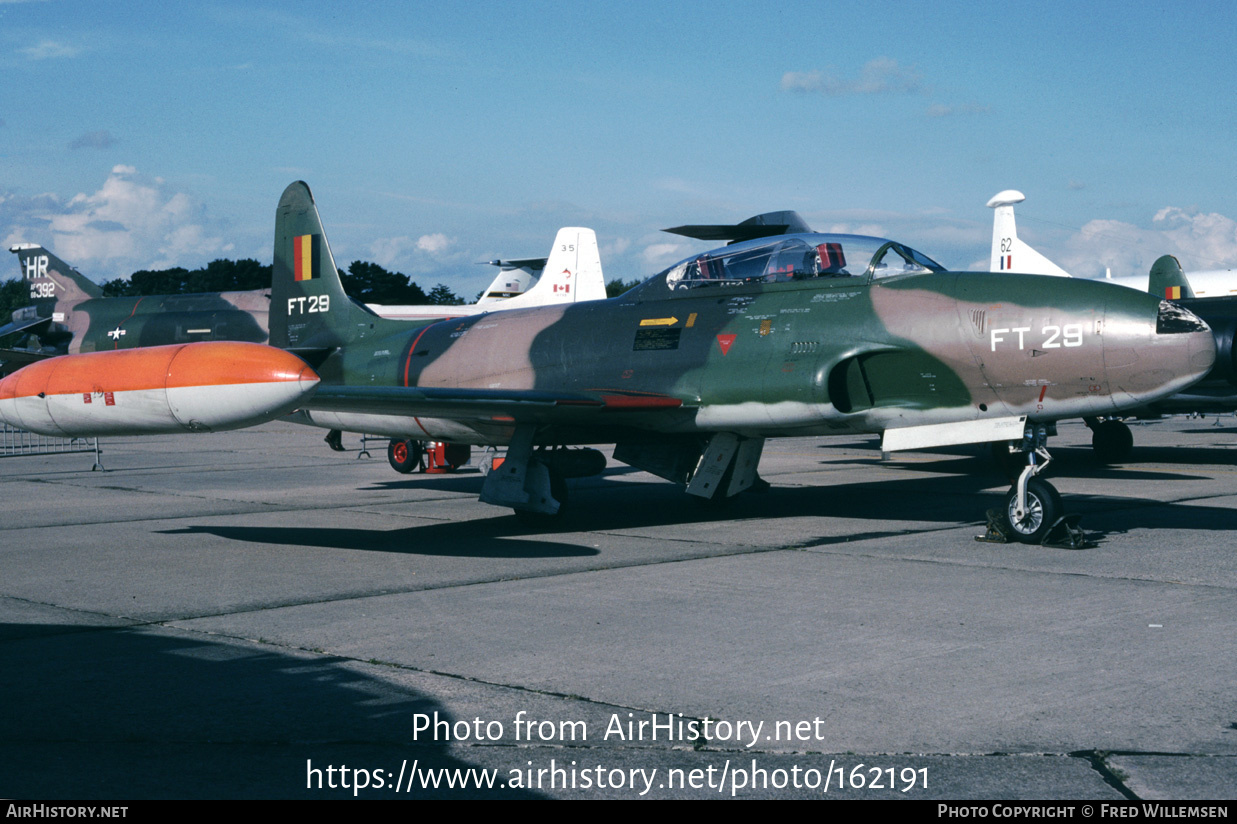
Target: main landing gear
x,y
532,480
404,455
1033,512
434,457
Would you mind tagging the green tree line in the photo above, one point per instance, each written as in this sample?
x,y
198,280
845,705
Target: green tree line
x,y
367,282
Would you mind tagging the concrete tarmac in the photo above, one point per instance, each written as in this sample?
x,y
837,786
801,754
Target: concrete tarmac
x,y
250,615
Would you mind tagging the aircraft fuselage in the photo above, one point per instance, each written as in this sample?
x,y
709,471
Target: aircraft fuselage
x,y
816,356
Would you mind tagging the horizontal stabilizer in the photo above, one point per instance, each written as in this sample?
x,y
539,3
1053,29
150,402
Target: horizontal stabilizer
x,y
522,263
25,318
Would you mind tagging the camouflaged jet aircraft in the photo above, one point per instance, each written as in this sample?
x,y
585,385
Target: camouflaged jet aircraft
x,y
687,373
69,315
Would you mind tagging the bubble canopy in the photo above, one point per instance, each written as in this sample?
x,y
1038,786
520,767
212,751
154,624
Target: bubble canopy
x,y
794,258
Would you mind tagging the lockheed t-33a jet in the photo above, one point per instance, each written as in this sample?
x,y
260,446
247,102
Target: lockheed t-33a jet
x,y
687,374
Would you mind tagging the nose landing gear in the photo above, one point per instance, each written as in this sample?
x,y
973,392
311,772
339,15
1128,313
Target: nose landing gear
x,y
1033,511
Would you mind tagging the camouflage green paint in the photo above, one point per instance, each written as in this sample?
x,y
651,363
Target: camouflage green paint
x,y
78,319
757,359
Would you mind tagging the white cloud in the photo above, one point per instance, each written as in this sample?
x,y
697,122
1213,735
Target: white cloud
x,y
434,244
661,255
427,253
1200,241
613,249
386,251
47,49
874,229
131,223
880,76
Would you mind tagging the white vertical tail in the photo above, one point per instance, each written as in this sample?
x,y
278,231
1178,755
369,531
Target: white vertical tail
x,y
1009,254
572,272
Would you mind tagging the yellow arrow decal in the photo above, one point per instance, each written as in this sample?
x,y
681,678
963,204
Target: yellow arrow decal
x,y
659,321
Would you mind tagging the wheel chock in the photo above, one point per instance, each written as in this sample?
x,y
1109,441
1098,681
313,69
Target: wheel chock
x,y
1065,534
997,532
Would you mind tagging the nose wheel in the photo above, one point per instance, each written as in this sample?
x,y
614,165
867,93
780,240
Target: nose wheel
x,y
1030,522
1033,512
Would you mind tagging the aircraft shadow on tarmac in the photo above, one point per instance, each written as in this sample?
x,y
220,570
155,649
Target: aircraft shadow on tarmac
x,y
109,712
482,538
893,506
1067,463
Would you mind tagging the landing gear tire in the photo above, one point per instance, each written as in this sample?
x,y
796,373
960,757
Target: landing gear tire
x,y
1112,441
558,489
404,455
1043,509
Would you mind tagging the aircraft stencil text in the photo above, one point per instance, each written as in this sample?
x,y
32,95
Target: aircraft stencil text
x,y
1051,336
36,267
309,304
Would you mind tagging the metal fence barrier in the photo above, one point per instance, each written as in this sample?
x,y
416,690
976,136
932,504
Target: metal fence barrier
x,y
17,442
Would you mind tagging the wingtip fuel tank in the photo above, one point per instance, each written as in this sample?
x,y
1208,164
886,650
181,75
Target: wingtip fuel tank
x,y
195,387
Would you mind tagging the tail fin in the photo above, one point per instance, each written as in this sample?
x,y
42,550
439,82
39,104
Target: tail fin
x,y
513,279
50,278
572,273
1168,281
1009,254
309,309
56,288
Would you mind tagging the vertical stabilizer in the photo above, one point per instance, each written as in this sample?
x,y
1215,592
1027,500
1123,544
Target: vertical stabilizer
x,y
514,278
309,309
1168,281
50,279
572,273
1009,254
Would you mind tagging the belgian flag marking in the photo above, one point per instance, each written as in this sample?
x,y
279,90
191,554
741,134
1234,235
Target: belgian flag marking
x,y
1172,292
304,255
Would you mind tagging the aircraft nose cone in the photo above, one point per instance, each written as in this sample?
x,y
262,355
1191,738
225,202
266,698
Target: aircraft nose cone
x,y
1146,368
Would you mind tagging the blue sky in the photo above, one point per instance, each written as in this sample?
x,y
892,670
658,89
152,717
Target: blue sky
x,y
436,135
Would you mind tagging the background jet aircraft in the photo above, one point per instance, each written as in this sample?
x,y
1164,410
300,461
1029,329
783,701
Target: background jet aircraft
x,y
572,273
691,371
1217,392
68,313
1010,254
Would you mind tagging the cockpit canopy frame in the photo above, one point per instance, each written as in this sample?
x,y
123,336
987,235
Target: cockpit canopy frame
x,y
796,258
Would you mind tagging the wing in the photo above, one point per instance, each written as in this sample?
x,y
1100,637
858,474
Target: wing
x,y
521,406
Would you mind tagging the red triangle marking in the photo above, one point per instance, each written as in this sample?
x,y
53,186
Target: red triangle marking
x,y
724,342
